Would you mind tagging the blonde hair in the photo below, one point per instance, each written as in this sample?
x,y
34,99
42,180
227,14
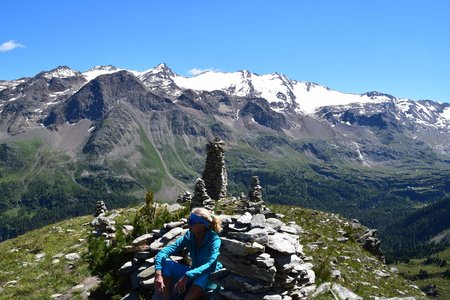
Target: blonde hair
x,y
215,223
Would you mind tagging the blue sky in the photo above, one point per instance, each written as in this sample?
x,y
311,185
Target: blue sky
x,y
397,47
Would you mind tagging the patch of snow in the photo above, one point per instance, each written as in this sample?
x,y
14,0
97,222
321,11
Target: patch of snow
x,y
446,113
62,72
13,99
100,70
423,109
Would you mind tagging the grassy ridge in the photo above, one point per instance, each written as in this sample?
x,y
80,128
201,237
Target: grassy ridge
x,y
24,276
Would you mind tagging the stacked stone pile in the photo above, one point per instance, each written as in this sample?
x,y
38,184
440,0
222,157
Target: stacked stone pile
x,y
201,198
185,198
144,249
215,173
104,226
100,208
263,259
254,202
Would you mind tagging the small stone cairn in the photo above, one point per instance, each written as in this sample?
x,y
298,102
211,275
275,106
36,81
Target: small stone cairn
x,y
215,173
254,202
104,225
185,198
201,198
100,208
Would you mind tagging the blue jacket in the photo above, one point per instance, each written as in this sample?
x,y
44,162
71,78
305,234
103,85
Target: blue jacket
x,y
204,258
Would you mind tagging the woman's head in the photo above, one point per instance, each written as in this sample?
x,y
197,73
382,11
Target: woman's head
x,y
203,216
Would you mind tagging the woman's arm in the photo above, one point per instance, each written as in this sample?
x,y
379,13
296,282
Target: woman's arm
x,y
167,251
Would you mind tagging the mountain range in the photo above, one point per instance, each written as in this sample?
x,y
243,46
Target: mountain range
x,y
70,138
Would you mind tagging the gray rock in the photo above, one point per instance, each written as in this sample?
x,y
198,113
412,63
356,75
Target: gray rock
x,y
273,297
174,233
283,243
172,225
245,219
39,256
238,248
322,289
273,223
72,256
126,267
147,273
336,274
264,260
144,239
258,235
258,221
343,293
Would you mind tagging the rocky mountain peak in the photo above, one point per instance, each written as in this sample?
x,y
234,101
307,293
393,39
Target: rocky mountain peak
x,y
59,72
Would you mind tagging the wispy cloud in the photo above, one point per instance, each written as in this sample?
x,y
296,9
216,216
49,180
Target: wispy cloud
x,y
195,71
10,45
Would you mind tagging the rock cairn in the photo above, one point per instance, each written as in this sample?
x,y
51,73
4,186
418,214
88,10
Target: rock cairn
x,y
185,198
201,198
140,269
215,174
254,202
104,226
263,258
100,208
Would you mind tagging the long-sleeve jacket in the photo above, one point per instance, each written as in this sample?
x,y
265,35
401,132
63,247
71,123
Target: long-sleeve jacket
x,y
204,258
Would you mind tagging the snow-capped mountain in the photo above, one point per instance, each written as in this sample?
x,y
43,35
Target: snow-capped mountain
x,y
282,93
281,103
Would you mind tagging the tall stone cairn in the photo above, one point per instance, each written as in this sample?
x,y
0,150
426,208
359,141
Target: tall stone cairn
x,y
254,203
215,174
201,198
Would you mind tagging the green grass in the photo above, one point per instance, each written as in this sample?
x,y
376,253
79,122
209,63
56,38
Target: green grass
x,y
434,273
356,265
41,279
151,168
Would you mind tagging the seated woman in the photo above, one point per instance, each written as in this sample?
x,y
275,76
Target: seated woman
x,y
203,243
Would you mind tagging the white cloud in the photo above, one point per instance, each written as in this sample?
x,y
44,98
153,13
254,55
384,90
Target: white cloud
x,y
10,45
195,71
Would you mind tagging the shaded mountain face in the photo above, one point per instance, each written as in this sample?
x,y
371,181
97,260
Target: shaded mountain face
x,y
109,131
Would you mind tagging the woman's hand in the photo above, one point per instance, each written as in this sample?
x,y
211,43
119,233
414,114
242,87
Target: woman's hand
x,y
159,283
180,286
